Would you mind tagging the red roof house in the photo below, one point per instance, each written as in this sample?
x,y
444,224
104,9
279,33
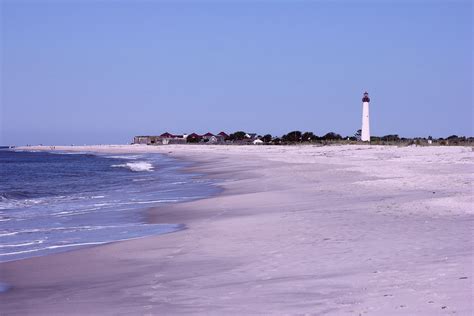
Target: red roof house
x,y
167,135
223,134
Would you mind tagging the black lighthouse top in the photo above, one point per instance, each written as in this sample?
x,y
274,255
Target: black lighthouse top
x,y
366,97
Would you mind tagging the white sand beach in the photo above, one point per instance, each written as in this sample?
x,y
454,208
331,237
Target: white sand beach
x,y
335,230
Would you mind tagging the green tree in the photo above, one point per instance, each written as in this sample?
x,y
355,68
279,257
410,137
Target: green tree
x,y
276,141
332,136
294,136
193,139
308,137
358,134
237,135
267,138
390,138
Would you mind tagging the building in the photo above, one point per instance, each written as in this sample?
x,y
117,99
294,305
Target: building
x,y
365,134
223,134
193,138
167,138
163,139
222,137
213,140
146,140
251,136
208,138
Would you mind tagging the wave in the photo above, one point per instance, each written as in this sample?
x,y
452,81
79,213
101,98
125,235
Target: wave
x,y
21,199
67,229
52,248
2,234
127,157
9,202
36,242
164,230
17,195
136,166
60,152
133,202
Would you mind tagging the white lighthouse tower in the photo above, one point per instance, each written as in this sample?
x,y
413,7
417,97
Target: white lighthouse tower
x,y
365,136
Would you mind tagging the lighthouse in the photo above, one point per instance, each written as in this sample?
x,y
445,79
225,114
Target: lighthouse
x,y
365,136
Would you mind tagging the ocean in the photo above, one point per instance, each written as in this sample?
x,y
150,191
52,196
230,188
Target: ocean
x,y
54,202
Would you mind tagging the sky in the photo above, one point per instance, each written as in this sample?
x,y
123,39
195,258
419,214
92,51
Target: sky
x,y
97,72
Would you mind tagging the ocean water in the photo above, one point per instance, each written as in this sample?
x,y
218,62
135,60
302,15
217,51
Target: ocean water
x,y
54,202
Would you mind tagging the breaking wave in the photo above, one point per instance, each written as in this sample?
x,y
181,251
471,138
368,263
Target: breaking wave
x,y
136,166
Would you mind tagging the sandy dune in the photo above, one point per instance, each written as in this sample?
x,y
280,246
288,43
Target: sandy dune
x,y
338,230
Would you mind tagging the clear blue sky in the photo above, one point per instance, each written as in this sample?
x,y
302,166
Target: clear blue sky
x,y
103,71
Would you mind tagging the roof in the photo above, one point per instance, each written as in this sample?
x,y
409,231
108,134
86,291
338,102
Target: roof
x,y
208,134
166,135
193,135
223,134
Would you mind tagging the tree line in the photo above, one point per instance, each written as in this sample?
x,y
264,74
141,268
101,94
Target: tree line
x,y
299,137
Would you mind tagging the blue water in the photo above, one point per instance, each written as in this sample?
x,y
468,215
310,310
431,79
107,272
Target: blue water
x,y
52,202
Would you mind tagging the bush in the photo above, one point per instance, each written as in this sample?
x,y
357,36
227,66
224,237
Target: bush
x,y
294,136
308,137
390,138
267,138
240,135
276,141
332,136
193,139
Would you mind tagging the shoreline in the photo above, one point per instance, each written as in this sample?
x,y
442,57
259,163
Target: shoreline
x,y
248,249
182,166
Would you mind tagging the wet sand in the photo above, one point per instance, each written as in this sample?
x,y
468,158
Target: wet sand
x,y
321,230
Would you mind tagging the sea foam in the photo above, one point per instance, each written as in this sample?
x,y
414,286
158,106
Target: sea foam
x,y
136,166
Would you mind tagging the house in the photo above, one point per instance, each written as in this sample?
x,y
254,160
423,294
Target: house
x,y
144,140
213,140
207,136
167,138
167,135
193,138
257,141
221,137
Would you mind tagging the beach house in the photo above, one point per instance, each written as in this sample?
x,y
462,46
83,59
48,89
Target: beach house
x,y
163,139
208,138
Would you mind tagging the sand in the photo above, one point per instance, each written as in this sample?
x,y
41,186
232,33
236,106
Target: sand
x,y
337,230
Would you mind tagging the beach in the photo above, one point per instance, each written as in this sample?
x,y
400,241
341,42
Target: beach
x,y
333,230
